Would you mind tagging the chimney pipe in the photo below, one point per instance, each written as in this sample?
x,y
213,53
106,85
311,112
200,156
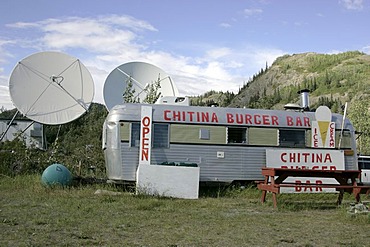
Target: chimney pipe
x,y
305,104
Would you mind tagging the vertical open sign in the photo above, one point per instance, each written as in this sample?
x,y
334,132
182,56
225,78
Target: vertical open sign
x,y
145,135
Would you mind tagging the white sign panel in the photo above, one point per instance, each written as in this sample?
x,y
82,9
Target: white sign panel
x,y
306,159
323,130
145,135
170,181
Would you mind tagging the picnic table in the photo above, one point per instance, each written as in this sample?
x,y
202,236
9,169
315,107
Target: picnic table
x,y
347,181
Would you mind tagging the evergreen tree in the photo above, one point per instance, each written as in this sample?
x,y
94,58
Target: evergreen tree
x,y
129,93
152,94
359,114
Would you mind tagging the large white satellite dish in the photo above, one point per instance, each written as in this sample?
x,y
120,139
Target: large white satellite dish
x,y
51,87
141,75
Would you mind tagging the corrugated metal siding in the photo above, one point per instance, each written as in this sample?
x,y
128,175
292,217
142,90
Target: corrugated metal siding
x,y
130,161
239,163
350,162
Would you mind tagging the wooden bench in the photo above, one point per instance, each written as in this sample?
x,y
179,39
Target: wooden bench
x,y
347,182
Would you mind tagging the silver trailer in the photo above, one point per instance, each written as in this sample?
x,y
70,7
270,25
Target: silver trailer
x,y
228,144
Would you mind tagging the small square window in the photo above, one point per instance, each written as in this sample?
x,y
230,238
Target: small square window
x,y
204,134
236,135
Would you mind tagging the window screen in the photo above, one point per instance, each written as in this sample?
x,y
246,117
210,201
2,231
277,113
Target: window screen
x,y
292,138
236,135
160,138
135,135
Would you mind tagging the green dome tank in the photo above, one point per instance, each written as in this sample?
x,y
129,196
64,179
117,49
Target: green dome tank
x,y
56,174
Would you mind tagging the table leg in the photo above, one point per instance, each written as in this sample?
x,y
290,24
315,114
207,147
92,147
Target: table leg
x,y
356,192
264,192
263,198
274,199
340,197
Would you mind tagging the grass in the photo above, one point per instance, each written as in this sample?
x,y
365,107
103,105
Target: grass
x,y
32,215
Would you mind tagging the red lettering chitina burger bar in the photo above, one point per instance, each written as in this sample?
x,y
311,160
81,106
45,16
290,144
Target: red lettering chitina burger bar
x,y
235,118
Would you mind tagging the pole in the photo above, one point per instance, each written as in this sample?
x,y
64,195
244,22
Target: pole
x,y
341,131
9,124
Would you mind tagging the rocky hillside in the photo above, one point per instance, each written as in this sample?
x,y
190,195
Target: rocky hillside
x,y
333,79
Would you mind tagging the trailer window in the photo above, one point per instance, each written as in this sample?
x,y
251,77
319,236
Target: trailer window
x,y
364,162
262,136
292,138
160,136
204,134
196,134
125,131
135,135
236,135
345,142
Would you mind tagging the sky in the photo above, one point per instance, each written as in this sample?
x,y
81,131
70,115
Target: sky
x,y
203,45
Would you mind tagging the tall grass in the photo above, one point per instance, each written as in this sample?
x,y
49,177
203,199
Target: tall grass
x,y
32,215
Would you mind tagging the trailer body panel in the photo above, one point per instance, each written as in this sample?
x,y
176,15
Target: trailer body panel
x,y
228,144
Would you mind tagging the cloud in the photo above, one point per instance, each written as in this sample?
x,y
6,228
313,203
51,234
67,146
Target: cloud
x,y
105,42
252,11
4,54
222,69
107,34
218,53
366,49
5,100
353,4
225,25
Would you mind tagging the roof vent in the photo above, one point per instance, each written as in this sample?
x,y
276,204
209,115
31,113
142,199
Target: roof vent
x,y
305,103
292,107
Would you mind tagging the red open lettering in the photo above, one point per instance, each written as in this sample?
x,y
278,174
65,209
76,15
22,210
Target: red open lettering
x,y
145,130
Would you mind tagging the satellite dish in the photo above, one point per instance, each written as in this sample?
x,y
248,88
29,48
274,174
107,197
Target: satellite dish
x,y
51,88
140,75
